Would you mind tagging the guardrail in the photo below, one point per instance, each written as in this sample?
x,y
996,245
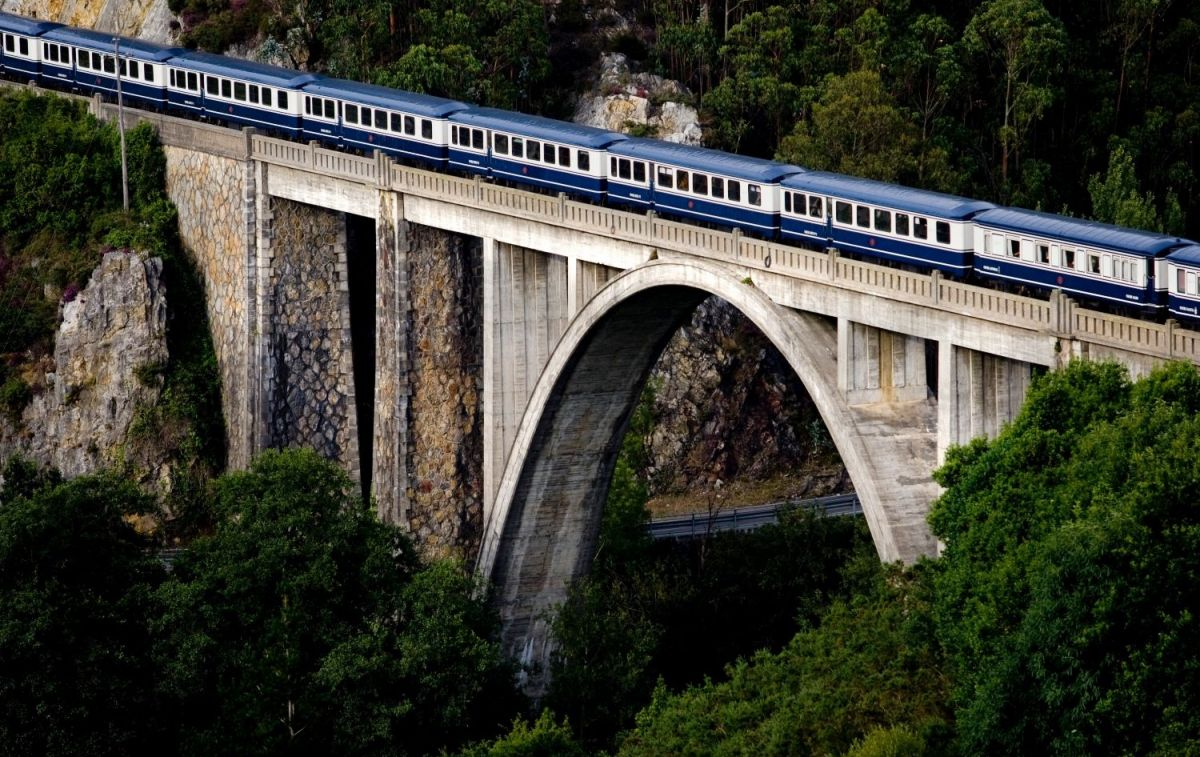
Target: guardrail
x,y
1057,317
748,518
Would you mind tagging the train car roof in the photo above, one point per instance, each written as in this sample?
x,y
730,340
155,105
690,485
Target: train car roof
x,y
1079,231
539,127
1189,255
383,97
704,159
29,27
101,42
259,73
893,196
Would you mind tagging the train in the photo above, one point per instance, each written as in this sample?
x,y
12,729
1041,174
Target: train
x,y
1131,271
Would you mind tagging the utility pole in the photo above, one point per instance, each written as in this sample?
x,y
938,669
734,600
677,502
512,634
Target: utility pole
x,y
121,126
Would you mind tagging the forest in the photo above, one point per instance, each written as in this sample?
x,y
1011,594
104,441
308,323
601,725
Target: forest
x,y
1089,108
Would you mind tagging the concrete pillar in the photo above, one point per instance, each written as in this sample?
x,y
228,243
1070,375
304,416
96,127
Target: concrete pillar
x,y
977,394
877,365
260,329
389,479
527,305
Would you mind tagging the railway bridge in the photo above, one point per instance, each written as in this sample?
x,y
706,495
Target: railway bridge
x,y
471,352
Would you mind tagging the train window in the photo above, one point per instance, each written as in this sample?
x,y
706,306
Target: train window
x,y
122,67
943,232
351,113
902,224
410,125
110,65
366,116
883,221
283,100
1014,248
518,147
735,190
754,194
564,156
1191,283
212,85
23,46
170,74
148,72
639,171
192,82
1044,254
548,154
501,144
798,202
920,227
787,201
330,111
842,212
453,135
1093,263
426,128
664,178
533,150
254,93
862,216
477,139
226,88
1069,259
718,187
815,208
681,181
239,91
97,64
52,54
583,160
1180,279
699,184
396,122
8,42
623,168
381,120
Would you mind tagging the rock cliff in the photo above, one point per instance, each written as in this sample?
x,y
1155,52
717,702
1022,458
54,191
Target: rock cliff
x,y
147,19
108,355
639,103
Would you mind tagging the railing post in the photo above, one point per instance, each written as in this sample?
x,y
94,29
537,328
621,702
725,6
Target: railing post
x,y
936,279
833,258
1171,325
383,170
562,206
248,133
312,153
737,244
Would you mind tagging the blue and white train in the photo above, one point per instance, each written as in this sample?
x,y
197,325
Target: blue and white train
x,y
1138,272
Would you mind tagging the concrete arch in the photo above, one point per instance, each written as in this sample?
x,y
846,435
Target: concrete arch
x,y
543,528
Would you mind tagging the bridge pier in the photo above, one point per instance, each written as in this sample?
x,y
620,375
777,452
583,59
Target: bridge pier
x,y
978,394
877,365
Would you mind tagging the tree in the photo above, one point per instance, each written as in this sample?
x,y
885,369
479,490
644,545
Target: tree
x,y
871,662
1116,199
76,600
545,738
856,129
305,624
1065,593
1023,45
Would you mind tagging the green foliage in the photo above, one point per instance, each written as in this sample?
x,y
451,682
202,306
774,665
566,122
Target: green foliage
x,y
898,741
545,738
303,623
15,394
1116,198
1065,594
24,478
76,598
871,663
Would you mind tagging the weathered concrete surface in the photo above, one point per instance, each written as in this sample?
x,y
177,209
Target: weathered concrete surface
x,y
542,531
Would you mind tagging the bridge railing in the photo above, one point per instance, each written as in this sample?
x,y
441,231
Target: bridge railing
x,y
1159,340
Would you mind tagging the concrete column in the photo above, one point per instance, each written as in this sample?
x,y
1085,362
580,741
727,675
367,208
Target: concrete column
x,y
390,466
876,365
260,329
977,394
527,305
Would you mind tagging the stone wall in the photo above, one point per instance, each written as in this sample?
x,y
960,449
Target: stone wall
x,y
445,437
216,225
309,372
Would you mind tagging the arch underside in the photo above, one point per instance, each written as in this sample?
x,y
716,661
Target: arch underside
x,y
543,529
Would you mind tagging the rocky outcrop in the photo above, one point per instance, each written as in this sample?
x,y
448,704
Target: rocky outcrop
x,y
146,19
108,354
639,103
729,408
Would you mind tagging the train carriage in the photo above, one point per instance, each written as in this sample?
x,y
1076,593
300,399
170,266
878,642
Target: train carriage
x,y
915,227
20,53
1183,284
553,155
87,61
698,183
1087,259
237,91
370,117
